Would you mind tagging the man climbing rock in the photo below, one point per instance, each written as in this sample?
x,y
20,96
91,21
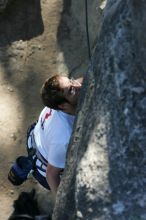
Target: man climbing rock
x,y
48,138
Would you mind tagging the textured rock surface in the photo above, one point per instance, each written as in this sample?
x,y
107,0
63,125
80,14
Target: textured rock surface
x,y
105,174
94,14
3,4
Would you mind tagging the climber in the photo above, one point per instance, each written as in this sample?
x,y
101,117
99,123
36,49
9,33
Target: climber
x,y
48,138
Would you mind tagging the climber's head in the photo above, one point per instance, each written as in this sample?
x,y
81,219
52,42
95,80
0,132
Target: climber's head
x,y
61,93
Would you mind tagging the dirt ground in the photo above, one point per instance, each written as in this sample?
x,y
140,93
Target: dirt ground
x,y
37,39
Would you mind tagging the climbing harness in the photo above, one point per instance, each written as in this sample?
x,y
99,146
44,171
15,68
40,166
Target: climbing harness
x,y
24,166
33,151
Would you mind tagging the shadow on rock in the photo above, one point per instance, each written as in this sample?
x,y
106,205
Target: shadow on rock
x,y
21,20
72,42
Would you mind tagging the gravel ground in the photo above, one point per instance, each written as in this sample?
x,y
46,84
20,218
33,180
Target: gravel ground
x,y
37,40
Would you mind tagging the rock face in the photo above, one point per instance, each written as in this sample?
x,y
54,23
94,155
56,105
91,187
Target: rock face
x,y
105,173
94,14
3,4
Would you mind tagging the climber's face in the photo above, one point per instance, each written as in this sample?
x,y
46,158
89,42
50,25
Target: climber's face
x,y
70,90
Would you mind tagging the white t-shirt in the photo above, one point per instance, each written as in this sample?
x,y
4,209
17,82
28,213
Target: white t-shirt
x,y
52,134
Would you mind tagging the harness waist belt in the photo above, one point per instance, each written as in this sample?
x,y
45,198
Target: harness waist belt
x,y
37,153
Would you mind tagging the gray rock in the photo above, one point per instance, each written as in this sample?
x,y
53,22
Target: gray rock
x,y
3,4
104,177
